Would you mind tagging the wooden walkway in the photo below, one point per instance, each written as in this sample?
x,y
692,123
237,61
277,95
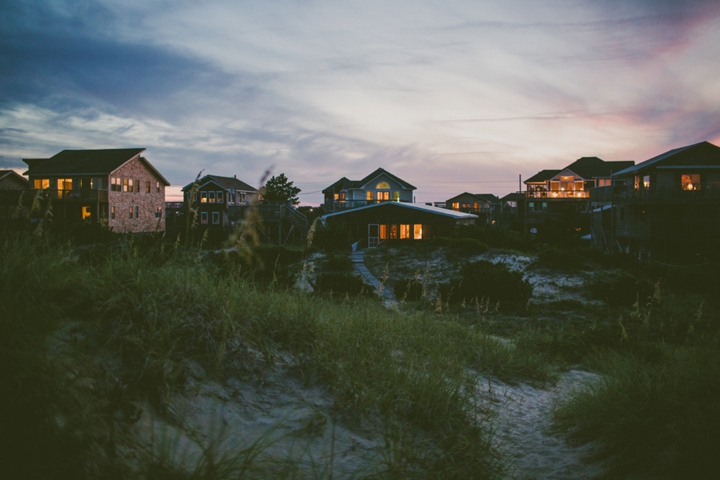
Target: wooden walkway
x,y
358,259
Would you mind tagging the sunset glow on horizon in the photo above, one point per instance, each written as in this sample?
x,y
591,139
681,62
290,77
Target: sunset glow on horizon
x,y
450,96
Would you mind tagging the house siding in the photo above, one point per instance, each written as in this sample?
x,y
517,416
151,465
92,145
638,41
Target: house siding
x,y
147,203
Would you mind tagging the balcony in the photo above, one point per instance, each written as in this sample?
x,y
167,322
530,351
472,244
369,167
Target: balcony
x,y
584,194
339,205
664,195
73,195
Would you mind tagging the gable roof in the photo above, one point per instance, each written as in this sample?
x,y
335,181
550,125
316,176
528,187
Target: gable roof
x,y
481,197
345,184
698,154
87,162
413,206
227,183
14,175
513,197
594,167
584,167
488,196
542,176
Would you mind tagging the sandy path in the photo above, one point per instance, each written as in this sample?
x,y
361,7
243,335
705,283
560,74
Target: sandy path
x,y
522,428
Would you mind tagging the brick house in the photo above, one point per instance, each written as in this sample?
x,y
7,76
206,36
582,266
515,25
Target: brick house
x,y
220,201
380,186
116,186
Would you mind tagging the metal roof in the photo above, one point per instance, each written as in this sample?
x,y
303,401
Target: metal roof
x,y
412,206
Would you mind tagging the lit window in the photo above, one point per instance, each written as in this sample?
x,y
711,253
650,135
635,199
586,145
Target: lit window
x,y
86,212
383,232
158,212
64,183
383,196
646,181
456,206
157,187
555,186
404,232
690,181
370,196
579,185
476,207
220,197
211,197
112,212
42,183
382,186
393,232
417,232
126,185
396,196
115,184
216,217
242,198
130,212
203,218
203,197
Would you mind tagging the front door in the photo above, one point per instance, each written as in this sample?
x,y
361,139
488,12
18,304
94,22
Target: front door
x,y
373,235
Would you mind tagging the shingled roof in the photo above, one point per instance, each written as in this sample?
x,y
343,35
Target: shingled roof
x,y
701,154
345,184
542,176
86,162
593,167
228,183
15,176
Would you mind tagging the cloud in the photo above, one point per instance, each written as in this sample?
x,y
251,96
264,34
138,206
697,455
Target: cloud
x,y
462,91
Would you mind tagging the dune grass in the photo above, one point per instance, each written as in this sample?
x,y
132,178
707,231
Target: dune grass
x,y
96,334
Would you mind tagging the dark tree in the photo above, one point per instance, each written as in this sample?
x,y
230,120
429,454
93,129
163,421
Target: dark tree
x,y
279,189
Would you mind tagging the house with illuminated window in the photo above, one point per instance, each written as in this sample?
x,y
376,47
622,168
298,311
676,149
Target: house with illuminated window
x,y
667,207
371,225
563,195
116,187
219,201
483,205
378,187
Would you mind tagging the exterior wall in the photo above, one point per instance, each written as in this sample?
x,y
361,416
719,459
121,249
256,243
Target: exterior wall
x,y
433,225
147,203
470,200
12,183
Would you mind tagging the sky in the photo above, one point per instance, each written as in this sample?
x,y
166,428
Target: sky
x,y
451,96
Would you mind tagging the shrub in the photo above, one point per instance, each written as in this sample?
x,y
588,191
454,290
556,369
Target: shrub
x,y
562,259
341,284
469,246
493,236
483,279
618,288
337,263
332,238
